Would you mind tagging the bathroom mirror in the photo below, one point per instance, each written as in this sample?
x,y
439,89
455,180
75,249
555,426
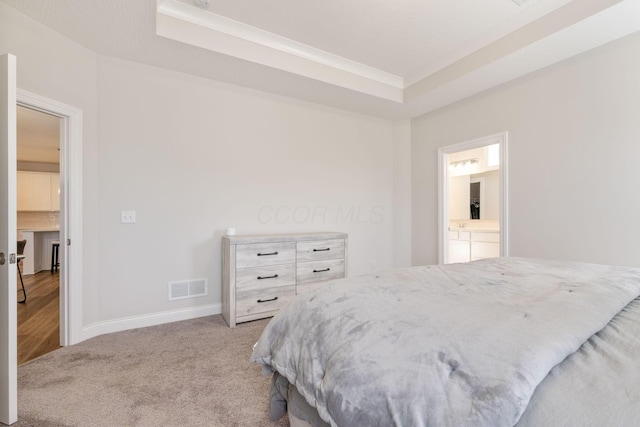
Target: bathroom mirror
x,y
474,200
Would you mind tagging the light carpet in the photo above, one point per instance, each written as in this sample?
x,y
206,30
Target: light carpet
x,y
189,373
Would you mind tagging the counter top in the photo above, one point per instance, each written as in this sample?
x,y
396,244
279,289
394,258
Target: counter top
x,y
38,229
475,229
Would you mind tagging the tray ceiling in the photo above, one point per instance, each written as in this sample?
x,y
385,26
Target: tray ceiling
x,y
387,59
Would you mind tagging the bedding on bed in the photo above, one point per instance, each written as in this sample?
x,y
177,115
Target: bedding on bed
x,y
598,385
462,344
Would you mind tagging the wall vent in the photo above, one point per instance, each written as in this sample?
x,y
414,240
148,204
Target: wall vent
x,y
188,289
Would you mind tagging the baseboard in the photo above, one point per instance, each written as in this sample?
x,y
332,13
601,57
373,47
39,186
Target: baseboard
x,y
133,322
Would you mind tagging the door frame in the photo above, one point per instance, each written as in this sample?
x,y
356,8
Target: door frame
x,y
443,190
8,296
70,210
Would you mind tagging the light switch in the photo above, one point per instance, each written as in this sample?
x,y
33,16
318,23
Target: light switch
x,y
128,217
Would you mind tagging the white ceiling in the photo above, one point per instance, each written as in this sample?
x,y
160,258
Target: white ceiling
x,y
392,59
406,38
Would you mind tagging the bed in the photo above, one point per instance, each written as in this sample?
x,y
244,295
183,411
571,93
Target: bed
x,y
499,342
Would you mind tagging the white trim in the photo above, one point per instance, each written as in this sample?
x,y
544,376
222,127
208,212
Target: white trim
x,y
443,209
504,195
8,297
443,190
520,46
189,24
143,321
70,211
222,24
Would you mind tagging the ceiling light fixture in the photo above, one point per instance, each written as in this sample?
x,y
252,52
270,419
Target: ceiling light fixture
x,y
205,2
464,163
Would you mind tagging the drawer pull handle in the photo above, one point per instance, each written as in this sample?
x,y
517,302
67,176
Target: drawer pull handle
x,y
322,250
271,253
267,277
321,271
267,300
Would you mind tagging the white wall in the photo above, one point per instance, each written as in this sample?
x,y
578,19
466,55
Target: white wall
x,y
459,196
193,157
574,146
402,193
55,67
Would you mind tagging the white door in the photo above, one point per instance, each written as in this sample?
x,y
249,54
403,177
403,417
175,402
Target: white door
x,y
8,289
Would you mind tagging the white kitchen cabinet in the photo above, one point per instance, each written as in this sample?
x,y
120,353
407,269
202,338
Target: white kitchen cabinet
x,y
38,249
38,191
55,191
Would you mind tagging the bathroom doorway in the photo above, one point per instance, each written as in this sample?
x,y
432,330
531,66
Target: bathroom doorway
x,y
472,200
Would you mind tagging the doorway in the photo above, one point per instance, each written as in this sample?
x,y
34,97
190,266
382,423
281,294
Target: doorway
x,y
38,227
70,211
472,200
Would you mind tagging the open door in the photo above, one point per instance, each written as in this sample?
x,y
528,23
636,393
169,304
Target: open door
x,y
8,290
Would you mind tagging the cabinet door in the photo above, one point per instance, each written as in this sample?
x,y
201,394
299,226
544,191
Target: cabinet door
x,y
482,250
459,251
34,191
55,191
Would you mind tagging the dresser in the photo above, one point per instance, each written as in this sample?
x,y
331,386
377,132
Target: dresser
x,y
262,273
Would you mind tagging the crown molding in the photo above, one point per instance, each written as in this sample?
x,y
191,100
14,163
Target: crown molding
x,y
570,30
189,24
573,28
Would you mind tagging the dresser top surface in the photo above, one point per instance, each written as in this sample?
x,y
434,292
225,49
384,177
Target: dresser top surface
x,y
293,237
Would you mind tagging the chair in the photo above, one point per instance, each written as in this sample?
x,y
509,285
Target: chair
x,y
20,257
55,247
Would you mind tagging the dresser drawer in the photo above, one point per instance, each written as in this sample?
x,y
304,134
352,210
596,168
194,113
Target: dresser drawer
x,y
258,301
320,270
259,254
263,273
268,276
320,250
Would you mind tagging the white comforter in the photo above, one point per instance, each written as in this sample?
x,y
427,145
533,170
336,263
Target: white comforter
x,y
463,344
598,385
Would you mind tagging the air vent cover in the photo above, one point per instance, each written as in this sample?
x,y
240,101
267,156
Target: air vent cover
x,y
188,289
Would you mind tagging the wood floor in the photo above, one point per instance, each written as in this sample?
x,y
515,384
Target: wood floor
x,y
39,317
